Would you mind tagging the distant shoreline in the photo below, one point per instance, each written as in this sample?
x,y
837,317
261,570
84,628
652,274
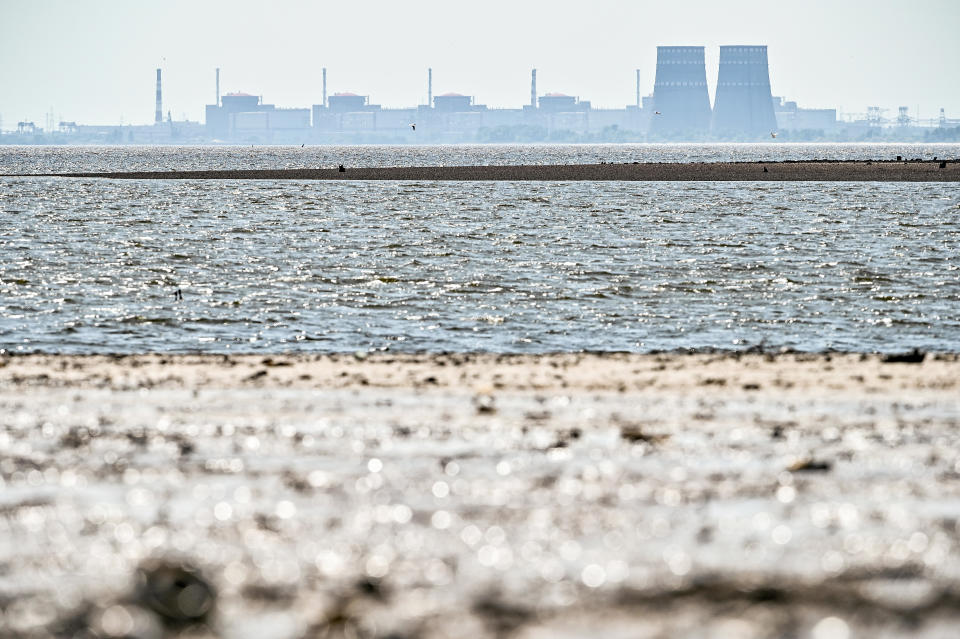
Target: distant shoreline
x,y
782,171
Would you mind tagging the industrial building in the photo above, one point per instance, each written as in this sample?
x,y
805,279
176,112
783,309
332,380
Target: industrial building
x,y
791,117
448,117
162,131
244,117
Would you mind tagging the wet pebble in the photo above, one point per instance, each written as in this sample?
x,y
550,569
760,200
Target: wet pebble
x,y
178,592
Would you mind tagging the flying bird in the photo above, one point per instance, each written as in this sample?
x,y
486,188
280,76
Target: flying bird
x,y
773,134
413,126
656,113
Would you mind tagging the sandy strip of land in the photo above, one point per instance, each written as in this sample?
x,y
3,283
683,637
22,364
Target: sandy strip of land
x,y
419,496
725,373
793,171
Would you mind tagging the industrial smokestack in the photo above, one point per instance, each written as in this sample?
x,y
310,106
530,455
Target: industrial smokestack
x,y
430,87
158,116
533,89
324,86
217,103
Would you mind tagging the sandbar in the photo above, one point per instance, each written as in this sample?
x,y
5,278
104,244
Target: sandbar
x,y
785,171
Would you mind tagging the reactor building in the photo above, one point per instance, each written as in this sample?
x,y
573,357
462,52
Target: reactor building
x,y
743,105
680,100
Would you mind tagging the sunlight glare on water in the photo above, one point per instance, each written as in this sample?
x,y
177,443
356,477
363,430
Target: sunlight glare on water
x,y
93,265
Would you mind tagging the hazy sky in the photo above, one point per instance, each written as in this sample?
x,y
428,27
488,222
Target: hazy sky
x,y
94,61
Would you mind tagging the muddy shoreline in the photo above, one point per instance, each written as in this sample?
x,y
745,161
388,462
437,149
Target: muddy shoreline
x,y
786,171
421,496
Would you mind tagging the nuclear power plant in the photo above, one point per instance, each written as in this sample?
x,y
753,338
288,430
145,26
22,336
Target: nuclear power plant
x,y
678,109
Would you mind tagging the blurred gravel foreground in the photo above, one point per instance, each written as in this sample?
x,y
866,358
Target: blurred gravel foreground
x,y
422,496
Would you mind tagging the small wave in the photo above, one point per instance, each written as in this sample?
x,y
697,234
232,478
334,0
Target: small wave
x,y
214,321
141,319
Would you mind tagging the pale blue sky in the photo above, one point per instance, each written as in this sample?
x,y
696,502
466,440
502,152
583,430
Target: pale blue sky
x,y
93,62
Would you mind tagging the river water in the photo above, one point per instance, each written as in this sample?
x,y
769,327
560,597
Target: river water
x,y
92,266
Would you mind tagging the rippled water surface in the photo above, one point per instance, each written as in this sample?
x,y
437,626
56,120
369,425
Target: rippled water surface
x,y
92,266
53,159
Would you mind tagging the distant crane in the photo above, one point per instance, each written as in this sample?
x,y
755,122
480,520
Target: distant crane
x,y
875,116
903,117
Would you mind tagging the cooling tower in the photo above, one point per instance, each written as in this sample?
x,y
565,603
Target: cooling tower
x,y
680,94
743,106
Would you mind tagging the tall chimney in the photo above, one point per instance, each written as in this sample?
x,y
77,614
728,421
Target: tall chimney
x,y
638,88
158,116
217,103
533,89
324,86
430,87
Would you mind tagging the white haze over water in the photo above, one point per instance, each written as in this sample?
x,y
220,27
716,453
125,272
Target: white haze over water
x,y
93,62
